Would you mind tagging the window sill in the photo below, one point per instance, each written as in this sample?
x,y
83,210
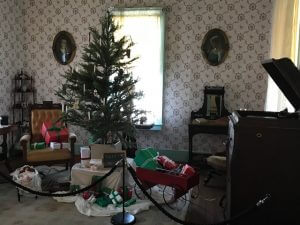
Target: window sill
x,y
154,128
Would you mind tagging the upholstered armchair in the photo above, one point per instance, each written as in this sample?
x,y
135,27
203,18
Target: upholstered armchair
x,y
38,114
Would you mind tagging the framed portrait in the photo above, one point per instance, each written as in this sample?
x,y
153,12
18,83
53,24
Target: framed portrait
x,y
215,47
64,47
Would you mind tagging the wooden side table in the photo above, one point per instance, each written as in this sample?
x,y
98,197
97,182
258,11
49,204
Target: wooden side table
x,y
4,131
200,125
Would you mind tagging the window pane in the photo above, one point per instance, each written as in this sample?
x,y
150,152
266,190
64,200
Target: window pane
x,y
146,31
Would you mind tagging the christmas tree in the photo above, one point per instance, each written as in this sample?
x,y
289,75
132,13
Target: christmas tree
x,y
99,96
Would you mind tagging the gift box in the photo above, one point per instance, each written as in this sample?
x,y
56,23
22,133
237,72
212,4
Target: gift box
x,y
54,132
65,145
187,171
48,125
115,197
127,193
61,135
38,145
85,156
146,158
55,145
103,201
166,162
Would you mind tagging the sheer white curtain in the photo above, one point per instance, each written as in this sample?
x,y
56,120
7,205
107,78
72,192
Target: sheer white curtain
x,y
284,43
146,29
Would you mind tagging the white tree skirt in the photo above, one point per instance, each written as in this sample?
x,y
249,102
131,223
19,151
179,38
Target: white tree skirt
x,y
92,209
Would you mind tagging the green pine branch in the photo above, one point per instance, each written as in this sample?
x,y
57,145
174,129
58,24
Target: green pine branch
x,y
99,96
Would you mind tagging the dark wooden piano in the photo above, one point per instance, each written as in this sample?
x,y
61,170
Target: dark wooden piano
x,y
211,118
264,155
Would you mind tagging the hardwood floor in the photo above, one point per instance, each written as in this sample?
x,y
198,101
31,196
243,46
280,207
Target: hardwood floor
x,y
205,208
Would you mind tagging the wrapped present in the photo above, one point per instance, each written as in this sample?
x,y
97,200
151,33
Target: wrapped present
x,y
57,136
55,145
85,156
146,158
65,145
115,197
166,162
38,145
54,132
127,193
86,195
50,126
187,170
103,201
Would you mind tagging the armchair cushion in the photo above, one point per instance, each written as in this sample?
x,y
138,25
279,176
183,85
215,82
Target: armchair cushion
x,y
217,162
48,154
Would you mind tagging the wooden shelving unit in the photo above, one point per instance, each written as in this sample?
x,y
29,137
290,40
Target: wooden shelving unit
x,y
24,96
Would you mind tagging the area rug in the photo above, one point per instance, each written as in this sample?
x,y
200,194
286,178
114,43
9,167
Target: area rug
x,y
44,210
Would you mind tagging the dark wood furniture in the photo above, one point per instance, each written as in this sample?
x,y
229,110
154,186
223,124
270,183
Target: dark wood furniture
x,y
4,131
263,156
211,118
40,113
24,96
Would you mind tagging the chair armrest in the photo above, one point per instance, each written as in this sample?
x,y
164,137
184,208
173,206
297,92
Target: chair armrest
x,y
25,139
72,137
25,142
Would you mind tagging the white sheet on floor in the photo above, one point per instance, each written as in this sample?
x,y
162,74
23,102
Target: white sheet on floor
x,y
89,209
68,199
85,208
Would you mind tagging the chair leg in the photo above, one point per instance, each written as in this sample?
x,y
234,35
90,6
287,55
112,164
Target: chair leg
x,y
207,179
18,194
210,175
221,202
67,166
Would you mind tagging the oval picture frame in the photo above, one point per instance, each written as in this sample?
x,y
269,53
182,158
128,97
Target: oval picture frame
x,y
215,47
64,48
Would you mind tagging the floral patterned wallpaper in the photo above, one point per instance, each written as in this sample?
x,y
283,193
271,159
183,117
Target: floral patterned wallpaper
x,y
247,24
11,54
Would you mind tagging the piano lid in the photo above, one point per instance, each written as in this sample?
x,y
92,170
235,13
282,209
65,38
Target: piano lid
x,y
287,77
